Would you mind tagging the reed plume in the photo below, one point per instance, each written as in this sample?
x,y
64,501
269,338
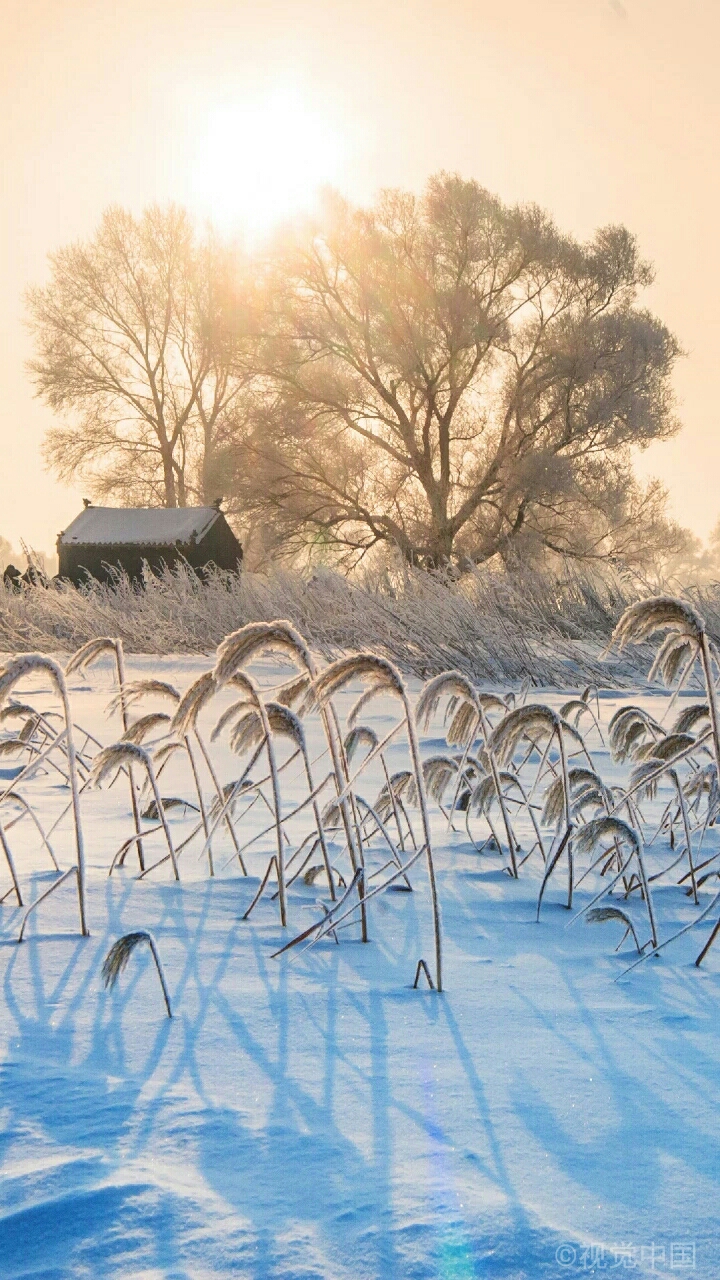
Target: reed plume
x,y
230,714
136,690
280,636
385,678
14,671
241,646
360,736
604,829
17,711
119,954
253,728
140,729
83,658
463,703
687,641
644,779
587,790
574,709
467,711
600,915
646,617
667,748
397,785
293,691
536,722
14,797
690,717
192,702
127,753
89,653
196,697
630,729
438,772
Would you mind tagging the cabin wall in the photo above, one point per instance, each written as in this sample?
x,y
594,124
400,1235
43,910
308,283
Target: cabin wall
x,y
77,562
219,547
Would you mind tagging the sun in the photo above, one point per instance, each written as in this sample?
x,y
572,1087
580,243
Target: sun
x,y
260,161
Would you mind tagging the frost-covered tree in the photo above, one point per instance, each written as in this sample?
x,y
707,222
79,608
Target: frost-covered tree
x,y
130,355
457,378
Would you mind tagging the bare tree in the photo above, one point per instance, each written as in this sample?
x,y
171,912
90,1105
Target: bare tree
x,y
456,377
130,354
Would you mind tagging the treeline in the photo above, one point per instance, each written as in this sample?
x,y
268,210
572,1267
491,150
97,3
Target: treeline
x,y
445,377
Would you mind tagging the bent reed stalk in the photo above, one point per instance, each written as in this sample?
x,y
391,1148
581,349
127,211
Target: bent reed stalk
x,y
119,954
494,746
385,678
81,660
14,671
125,753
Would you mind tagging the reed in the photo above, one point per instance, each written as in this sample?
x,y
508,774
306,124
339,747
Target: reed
x,y
598,832
81,660
686,642
12,673
467,710
253,728
630,729
384,678
601,915
648,769
537,722
122,754
119,954
280,636
196,697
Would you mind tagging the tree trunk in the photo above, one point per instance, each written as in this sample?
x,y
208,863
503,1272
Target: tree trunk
x,y
440,548
169,479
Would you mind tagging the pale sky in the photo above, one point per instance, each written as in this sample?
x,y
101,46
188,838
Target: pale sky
x,y
599,110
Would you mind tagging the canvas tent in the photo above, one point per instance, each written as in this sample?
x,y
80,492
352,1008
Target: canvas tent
x,y
103,539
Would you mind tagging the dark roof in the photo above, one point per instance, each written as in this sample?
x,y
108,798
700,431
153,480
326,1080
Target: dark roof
x,y
140,526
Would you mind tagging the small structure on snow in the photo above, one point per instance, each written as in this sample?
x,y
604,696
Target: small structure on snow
x,y
102,540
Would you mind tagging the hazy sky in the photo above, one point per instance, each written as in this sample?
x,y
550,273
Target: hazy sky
x,y
599,110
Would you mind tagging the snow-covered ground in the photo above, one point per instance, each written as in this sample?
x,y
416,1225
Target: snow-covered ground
x,y
313,1115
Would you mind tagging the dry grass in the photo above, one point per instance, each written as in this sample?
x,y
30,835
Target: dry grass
x,y
490,626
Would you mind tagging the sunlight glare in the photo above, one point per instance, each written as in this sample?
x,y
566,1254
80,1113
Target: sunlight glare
x,y
261,161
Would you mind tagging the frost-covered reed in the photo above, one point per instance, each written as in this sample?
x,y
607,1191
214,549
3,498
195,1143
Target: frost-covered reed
x,y
493,626
119,954
12,673
513,765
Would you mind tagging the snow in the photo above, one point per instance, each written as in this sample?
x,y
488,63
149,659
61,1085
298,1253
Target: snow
x,y
145,526
313,1115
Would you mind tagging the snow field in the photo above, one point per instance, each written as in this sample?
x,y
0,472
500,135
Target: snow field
x,y
313,1115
